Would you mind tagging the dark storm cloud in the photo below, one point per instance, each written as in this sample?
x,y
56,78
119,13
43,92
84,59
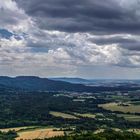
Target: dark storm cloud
x,y
111,40
96,16
5,17
126,43
131,46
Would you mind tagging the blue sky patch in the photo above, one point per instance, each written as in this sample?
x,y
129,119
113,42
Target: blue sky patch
x,y
5,34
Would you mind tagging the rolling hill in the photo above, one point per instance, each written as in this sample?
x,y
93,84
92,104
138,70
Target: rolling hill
x,y
32,83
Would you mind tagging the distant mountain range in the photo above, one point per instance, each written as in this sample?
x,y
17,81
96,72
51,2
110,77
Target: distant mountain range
x,y
72,80
99,82
36,83
32,83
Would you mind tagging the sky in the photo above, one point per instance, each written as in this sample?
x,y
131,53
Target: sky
x,y
96,39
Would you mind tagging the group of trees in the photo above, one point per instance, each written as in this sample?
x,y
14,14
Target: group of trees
x,y
11,135
32,108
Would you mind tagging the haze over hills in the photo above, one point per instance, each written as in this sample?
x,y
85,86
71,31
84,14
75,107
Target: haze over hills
x,y
72,80
32,83
99,82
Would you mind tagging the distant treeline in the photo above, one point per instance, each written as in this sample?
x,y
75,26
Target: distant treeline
x,y
30,83
11,135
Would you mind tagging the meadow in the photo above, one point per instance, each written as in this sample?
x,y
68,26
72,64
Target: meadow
x,y
62,115
121,108
130,117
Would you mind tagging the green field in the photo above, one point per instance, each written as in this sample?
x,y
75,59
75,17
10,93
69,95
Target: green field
x,y
136,131
62,115
130,117
117,107
85,115
135,102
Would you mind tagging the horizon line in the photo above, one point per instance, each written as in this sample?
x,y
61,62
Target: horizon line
x,y
68,77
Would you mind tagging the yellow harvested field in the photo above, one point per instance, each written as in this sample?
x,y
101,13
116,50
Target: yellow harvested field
x,y
121,108
39,133
62,115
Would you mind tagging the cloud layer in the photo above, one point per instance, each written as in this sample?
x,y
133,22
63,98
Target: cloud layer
x,y
96,16
64,37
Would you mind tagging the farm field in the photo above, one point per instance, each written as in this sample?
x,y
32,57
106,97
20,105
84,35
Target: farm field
x,y
130,117
125,109
118,97
86,115
99,131
137,131
47,112
39,134
62,115
135,102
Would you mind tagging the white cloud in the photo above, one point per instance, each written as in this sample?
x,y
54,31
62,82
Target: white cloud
x,y
13,18
56,51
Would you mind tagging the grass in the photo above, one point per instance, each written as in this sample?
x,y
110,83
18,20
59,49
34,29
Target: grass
x,y
137,131
117,107
99,131
135,102
63,115
78,100
119,97
130,117
85,115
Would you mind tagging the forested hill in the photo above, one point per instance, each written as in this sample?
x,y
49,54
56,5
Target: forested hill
x,y
32,83
72,80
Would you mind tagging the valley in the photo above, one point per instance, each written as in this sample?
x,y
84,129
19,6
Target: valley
x,y
46,114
